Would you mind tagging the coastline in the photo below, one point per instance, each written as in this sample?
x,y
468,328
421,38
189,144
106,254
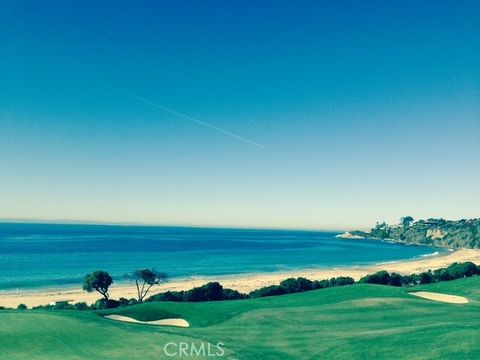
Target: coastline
x,y
245,282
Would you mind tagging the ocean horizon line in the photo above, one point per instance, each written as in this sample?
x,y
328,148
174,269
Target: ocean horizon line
x,y
160,225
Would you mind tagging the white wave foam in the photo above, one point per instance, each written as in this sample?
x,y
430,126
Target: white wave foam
x,y
432,254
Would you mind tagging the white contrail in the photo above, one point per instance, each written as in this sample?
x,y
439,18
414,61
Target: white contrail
x,y
203,123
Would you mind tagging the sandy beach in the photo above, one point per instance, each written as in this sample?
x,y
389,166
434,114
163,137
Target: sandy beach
x,y
243,283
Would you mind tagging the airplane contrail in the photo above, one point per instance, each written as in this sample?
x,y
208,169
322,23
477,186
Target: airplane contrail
x,y
203,123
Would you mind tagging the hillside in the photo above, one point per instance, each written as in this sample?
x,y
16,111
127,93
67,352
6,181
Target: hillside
x,y
434,232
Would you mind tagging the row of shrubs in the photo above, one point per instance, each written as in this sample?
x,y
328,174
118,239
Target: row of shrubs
x,y
214,291
100,304
300,284
76,306
452,272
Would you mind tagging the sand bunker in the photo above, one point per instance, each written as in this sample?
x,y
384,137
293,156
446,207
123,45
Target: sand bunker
x,y
163,322
453,299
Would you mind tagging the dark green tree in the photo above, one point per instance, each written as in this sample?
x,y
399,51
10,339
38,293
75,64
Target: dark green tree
x,y
293,285
145,279
381,277
406,221
395,280
341,281
459,270
99,281
213,291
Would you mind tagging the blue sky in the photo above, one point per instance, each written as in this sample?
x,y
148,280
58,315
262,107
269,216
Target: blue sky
x,y
363,111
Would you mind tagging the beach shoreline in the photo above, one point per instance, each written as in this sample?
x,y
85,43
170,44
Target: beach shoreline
x,y
242,282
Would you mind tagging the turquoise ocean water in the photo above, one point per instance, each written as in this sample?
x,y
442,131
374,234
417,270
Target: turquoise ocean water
x,y
36,256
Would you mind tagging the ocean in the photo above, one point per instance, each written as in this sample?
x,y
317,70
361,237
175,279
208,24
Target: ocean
x,y
40,256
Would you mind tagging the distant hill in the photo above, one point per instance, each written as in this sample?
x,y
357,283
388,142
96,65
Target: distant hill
x,y
435,232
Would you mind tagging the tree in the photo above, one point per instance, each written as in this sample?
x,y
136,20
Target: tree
x,y
341,281
395,280
81,306
99,281
145,279
426,277
321,284
213,291
459,270
381,277
271,290
293,285
406,221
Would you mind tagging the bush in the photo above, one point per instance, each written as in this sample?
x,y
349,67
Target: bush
x,y
103,304
176,296
81,306
320,284
459,270
212,291
300,284
381,277
229,294
22,307
127,302
409,280
133,301
272,290
426,278
292,285
341,281
395,280
453,271
63,306
441,275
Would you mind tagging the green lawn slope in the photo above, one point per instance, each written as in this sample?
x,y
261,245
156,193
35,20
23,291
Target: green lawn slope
x,y
351,322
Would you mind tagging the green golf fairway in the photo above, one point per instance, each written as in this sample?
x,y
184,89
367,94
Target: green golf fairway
x,y
352,322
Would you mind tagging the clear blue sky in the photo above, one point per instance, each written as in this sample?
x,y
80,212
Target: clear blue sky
x,y
321,114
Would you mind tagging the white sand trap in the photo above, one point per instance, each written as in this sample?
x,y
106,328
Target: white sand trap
x,y
453,299
163,322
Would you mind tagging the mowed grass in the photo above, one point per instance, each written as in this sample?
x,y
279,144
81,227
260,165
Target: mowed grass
x,y
352,322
